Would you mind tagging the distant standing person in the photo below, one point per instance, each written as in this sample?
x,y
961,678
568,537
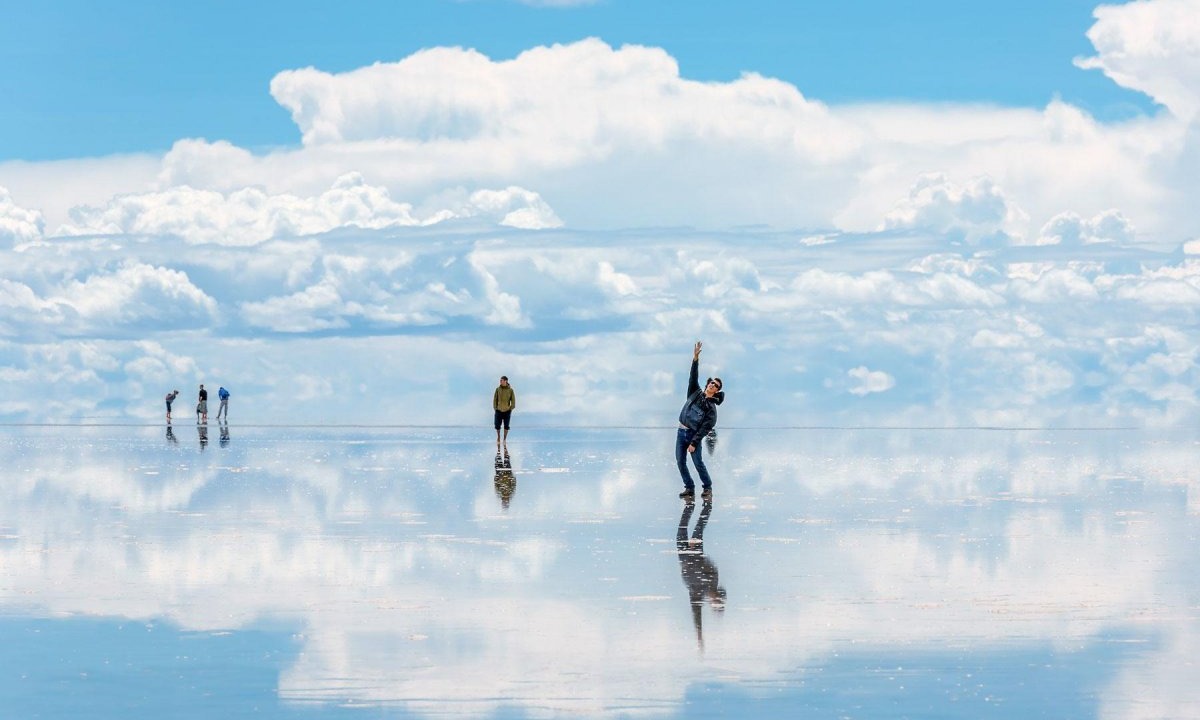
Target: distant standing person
x,y
170,399
202,405
504,401
697,417
224,406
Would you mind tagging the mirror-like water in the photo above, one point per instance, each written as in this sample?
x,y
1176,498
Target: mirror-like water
x,y
280,572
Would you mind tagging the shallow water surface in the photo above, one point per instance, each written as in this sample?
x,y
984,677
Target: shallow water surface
x,y
403,572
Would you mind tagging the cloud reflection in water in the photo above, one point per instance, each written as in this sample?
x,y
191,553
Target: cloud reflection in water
x,y
412,586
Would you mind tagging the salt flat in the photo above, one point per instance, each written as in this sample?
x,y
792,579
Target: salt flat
x,y
326,572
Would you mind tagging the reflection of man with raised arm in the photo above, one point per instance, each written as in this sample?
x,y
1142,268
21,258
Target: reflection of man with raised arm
x,y
699,573
697,417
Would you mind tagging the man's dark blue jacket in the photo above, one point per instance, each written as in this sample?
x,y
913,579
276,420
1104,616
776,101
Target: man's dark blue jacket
x,y
699,414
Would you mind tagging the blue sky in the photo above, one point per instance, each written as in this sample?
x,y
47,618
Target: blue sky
x,y
95,79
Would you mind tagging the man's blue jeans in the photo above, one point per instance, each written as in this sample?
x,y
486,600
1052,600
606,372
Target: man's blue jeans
x,y
681,456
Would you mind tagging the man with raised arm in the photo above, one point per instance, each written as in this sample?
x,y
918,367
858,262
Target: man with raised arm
x,y
697,417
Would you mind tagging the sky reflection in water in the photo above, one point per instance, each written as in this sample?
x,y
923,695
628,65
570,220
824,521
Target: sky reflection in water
x,y
306,572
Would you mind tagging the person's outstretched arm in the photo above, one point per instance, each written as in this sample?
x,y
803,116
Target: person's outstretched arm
x,y
694,377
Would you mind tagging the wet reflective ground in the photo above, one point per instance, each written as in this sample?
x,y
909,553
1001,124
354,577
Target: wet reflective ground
x,y
284,572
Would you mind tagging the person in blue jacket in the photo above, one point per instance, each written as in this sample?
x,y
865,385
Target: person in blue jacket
x,y
224,408
697,417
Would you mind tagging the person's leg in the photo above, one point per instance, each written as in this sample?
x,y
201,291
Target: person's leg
x,y
698,532
681,445
681,535
698,461
498,421
507,419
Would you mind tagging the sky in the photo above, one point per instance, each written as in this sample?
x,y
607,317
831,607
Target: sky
x,y
138,75
963,216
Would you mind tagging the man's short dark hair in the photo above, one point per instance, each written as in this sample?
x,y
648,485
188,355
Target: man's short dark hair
x,y
503,377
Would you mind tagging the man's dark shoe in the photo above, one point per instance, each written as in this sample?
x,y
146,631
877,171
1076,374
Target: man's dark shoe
x,y
688,494
707,494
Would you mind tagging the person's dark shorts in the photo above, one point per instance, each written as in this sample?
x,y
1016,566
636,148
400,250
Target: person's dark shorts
x,y
502,417
168,406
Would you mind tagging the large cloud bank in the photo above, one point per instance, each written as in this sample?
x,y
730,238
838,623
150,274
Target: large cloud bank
x,y
413,324
616,137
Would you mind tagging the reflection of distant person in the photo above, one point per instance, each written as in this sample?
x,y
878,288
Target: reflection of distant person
x,y
225,434
699,574
170,399
224,406
171,435
202,429
506,482
696,418
202,405
710,441
504,401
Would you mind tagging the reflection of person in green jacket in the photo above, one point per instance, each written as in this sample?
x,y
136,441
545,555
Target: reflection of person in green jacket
x,y
504,401
506,482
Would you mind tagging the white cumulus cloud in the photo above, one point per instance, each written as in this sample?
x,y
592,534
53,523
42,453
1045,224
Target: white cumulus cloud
x,y
1070,229
870,381
978,212
139,294
18,224
251,215
515,207
1151,47
564,97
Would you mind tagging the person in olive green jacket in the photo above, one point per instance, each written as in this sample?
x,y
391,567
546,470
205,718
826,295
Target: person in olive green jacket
x,y
504,401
